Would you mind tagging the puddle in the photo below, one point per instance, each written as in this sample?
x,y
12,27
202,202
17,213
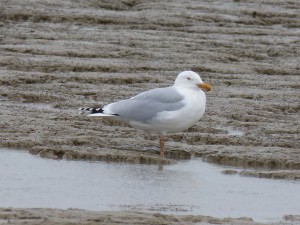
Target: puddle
x,y
188,187
232,132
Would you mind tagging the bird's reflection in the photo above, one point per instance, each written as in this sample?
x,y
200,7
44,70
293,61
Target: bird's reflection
x,y
160,166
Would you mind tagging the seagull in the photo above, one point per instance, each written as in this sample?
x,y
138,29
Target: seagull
x,y
161,110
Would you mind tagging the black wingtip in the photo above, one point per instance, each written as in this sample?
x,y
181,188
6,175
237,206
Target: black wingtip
x,y
92,110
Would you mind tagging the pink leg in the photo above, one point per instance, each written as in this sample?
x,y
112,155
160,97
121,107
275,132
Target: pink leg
x,y
162,145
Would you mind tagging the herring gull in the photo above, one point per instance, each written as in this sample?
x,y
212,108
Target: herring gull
x,y
161,110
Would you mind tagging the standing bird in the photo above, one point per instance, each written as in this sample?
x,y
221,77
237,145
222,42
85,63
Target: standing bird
x,y
162,110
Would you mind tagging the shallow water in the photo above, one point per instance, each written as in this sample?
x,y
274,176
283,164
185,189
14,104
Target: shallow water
x,y
188,187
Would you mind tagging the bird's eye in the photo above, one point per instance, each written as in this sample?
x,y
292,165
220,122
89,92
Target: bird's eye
x,y
188,78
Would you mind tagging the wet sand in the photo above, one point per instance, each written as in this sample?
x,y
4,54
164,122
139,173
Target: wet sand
x,y
57,56
77,216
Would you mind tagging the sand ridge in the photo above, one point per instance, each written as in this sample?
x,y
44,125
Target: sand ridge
x,y
58,56
77,216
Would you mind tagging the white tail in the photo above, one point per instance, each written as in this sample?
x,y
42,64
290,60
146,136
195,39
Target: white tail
x,y
100,114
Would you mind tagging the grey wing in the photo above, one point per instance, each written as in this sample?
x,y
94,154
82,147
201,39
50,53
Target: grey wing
x,y
146,105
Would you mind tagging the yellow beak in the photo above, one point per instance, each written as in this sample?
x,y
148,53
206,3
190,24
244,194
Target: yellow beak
x,y
204,86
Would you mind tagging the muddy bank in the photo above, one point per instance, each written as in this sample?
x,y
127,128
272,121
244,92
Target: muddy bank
x,y
109,155
281,174
61,55
76,216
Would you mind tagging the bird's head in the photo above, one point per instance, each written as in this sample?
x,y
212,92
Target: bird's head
x,y
191,79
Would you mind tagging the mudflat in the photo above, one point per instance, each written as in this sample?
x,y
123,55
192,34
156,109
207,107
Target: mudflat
x,y
77,216
57,56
